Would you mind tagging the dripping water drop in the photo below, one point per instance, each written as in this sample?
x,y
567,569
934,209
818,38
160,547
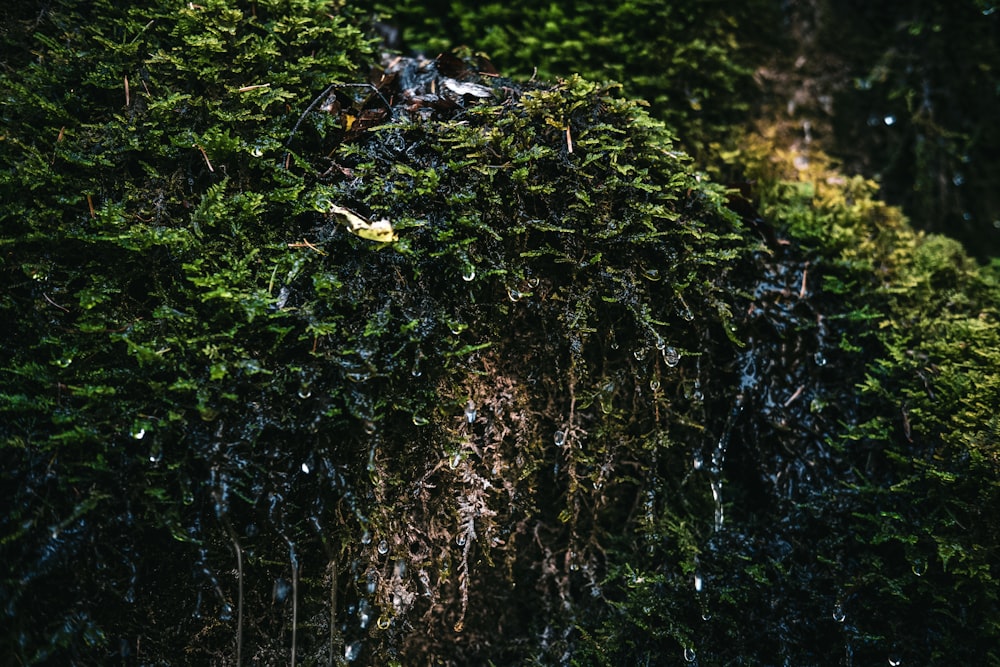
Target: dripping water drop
x,y
352,651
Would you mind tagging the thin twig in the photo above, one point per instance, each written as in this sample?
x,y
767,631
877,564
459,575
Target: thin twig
x,y
791,399
322,96
63,308
205,155
239,601
295,594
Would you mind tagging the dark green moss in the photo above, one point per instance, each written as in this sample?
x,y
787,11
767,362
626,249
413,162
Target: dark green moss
x,y
692,61
575,412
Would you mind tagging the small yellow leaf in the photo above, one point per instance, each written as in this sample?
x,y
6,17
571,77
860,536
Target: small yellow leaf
x,y
378,230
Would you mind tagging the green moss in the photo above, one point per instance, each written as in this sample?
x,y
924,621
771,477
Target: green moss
x,y
576,411
692,61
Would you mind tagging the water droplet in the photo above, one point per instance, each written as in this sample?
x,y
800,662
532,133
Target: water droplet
x,y
698,461
364,618
559,437
919,567
660,343
671,356
369,427
352,651
819,359
305,468
698,583
651,274
280,590
282,298
514,295
457,327
305,391
63,362
383,547
420,421
958,179
654,384
697,395
532,282
689,654
717,497
706,615
838,614
469,274
139,434
889,120
470,411
366,537
895,660
383,623
639,354
461,539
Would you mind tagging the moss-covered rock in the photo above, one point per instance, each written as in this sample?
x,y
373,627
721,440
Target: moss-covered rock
x,y
553,400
